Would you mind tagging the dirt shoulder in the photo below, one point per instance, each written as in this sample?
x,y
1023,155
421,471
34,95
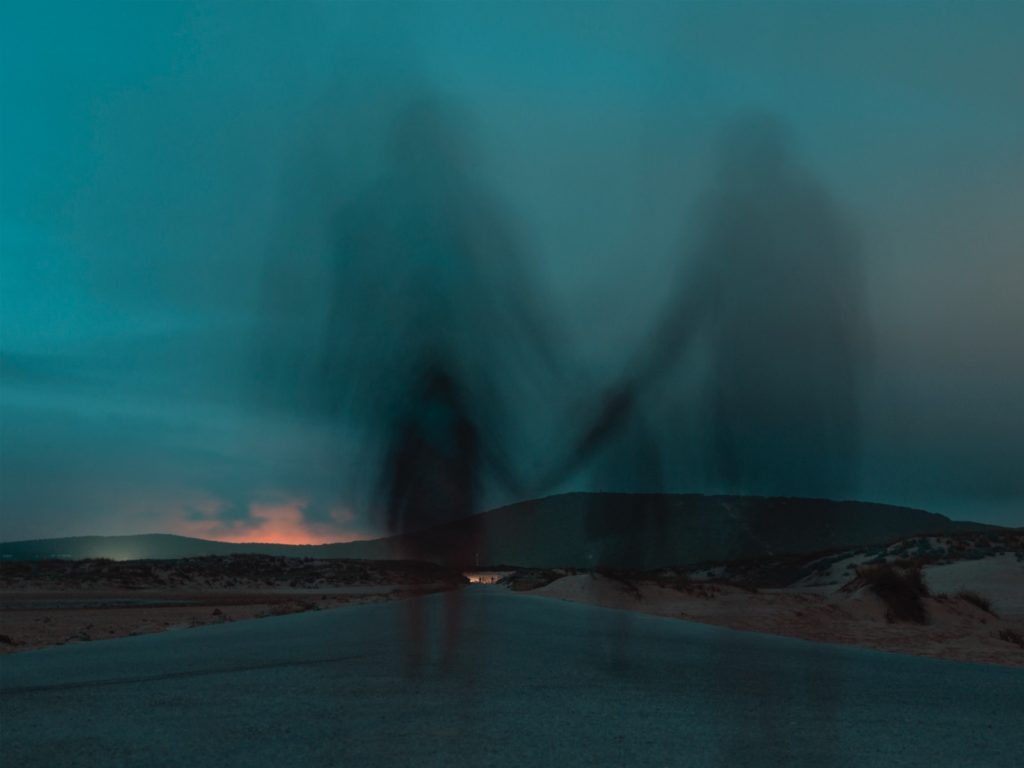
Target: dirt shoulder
x,y
955,628
48,603
37,620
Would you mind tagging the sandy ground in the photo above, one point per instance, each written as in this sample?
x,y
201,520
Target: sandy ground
x,y
79,602
56,602
956,629
36,619
1000,578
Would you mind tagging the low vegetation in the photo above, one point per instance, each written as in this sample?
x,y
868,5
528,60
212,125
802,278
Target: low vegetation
x,y
627,579
979,601
220,572
902,588
679,581
1012,636
525,579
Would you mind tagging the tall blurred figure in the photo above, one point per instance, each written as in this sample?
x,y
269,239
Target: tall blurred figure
x,y
777,278
434,339
774,289
431,474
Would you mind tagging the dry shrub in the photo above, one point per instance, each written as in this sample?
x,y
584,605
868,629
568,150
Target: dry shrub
x,y
626,579
283,609
532,578
979,601
901,587
677,581
1012,636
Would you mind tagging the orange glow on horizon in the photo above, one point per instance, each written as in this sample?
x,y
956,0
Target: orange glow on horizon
x,y
277,523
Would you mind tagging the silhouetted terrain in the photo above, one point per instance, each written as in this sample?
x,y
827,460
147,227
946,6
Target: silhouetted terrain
x,y
573,530
162,546
53,602
653,530
245,571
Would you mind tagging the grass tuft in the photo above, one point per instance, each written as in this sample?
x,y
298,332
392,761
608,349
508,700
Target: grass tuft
x,y
979,601
1012,636
901,587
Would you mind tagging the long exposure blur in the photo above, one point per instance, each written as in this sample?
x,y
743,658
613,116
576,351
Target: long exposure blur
x,y
641,259
692,317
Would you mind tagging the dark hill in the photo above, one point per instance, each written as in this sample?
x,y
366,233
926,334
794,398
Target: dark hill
x,y
653,530
147,546
577,530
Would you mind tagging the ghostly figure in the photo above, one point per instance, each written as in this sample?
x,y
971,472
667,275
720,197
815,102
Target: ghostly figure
x,y
778,289
633,463
434,463
434,338
428,283
773,287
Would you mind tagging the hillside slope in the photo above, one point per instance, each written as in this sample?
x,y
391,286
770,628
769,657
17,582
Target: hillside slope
x,y
652,530
576,530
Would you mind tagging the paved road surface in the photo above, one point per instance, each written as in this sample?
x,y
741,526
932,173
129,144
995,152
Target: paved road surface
x,y
536,682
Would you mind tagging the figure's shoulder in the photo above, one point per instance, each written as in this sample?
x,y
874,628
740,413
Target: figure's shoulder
x,y
371,215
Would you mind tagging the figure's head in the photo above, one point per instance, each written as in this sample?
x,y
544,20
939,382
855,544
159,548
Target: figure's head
x,y
439,384
434,377
429,139
755,146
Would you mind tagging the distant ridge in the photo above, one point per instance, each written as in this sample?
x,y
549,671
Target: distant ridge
x,y
575,530
144,546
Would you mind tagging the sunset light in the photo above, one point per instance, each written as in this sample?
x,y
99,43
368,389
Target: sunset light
x,y
546,384
279,522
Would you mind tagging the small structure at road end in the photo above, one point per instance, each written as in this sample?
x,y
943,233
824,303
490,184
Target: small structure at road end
x,y
486,577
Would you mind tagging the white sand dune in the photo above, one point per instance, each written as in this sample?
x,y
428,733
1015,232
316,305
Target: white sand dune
x,y
999,578
956,629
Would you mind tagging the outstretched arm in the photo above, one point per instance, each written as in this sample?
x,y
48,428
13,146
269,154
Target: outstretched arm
x,y
615,408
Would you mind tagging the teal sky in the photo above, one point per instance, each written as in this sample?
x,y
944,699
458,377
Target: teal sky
x,y
157,156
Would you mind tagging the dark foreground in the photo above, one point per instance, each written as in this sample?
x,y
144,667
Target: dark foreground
x,y
535,682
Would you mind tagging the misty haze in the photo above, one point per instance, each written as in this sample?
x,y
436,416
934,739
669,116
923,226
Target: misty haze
x,y
511,383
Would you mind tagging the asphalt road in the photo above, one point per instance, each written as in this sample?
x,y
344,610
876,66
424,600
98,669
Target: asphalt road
x,y
531,682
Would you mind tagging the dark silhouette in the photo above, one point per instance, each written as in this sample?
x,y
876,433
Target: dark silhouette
x,y
617,543
774,288
436,340
777,279
432,476
435,461
634,463
549,532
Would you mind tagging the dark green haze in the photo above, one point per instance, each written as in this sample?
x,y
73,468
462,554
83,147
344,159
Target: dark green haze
x,y
213,324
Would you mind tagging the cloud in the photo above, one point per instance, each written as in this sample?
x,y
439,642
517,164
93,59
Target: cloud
x,y
280,521
152,166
